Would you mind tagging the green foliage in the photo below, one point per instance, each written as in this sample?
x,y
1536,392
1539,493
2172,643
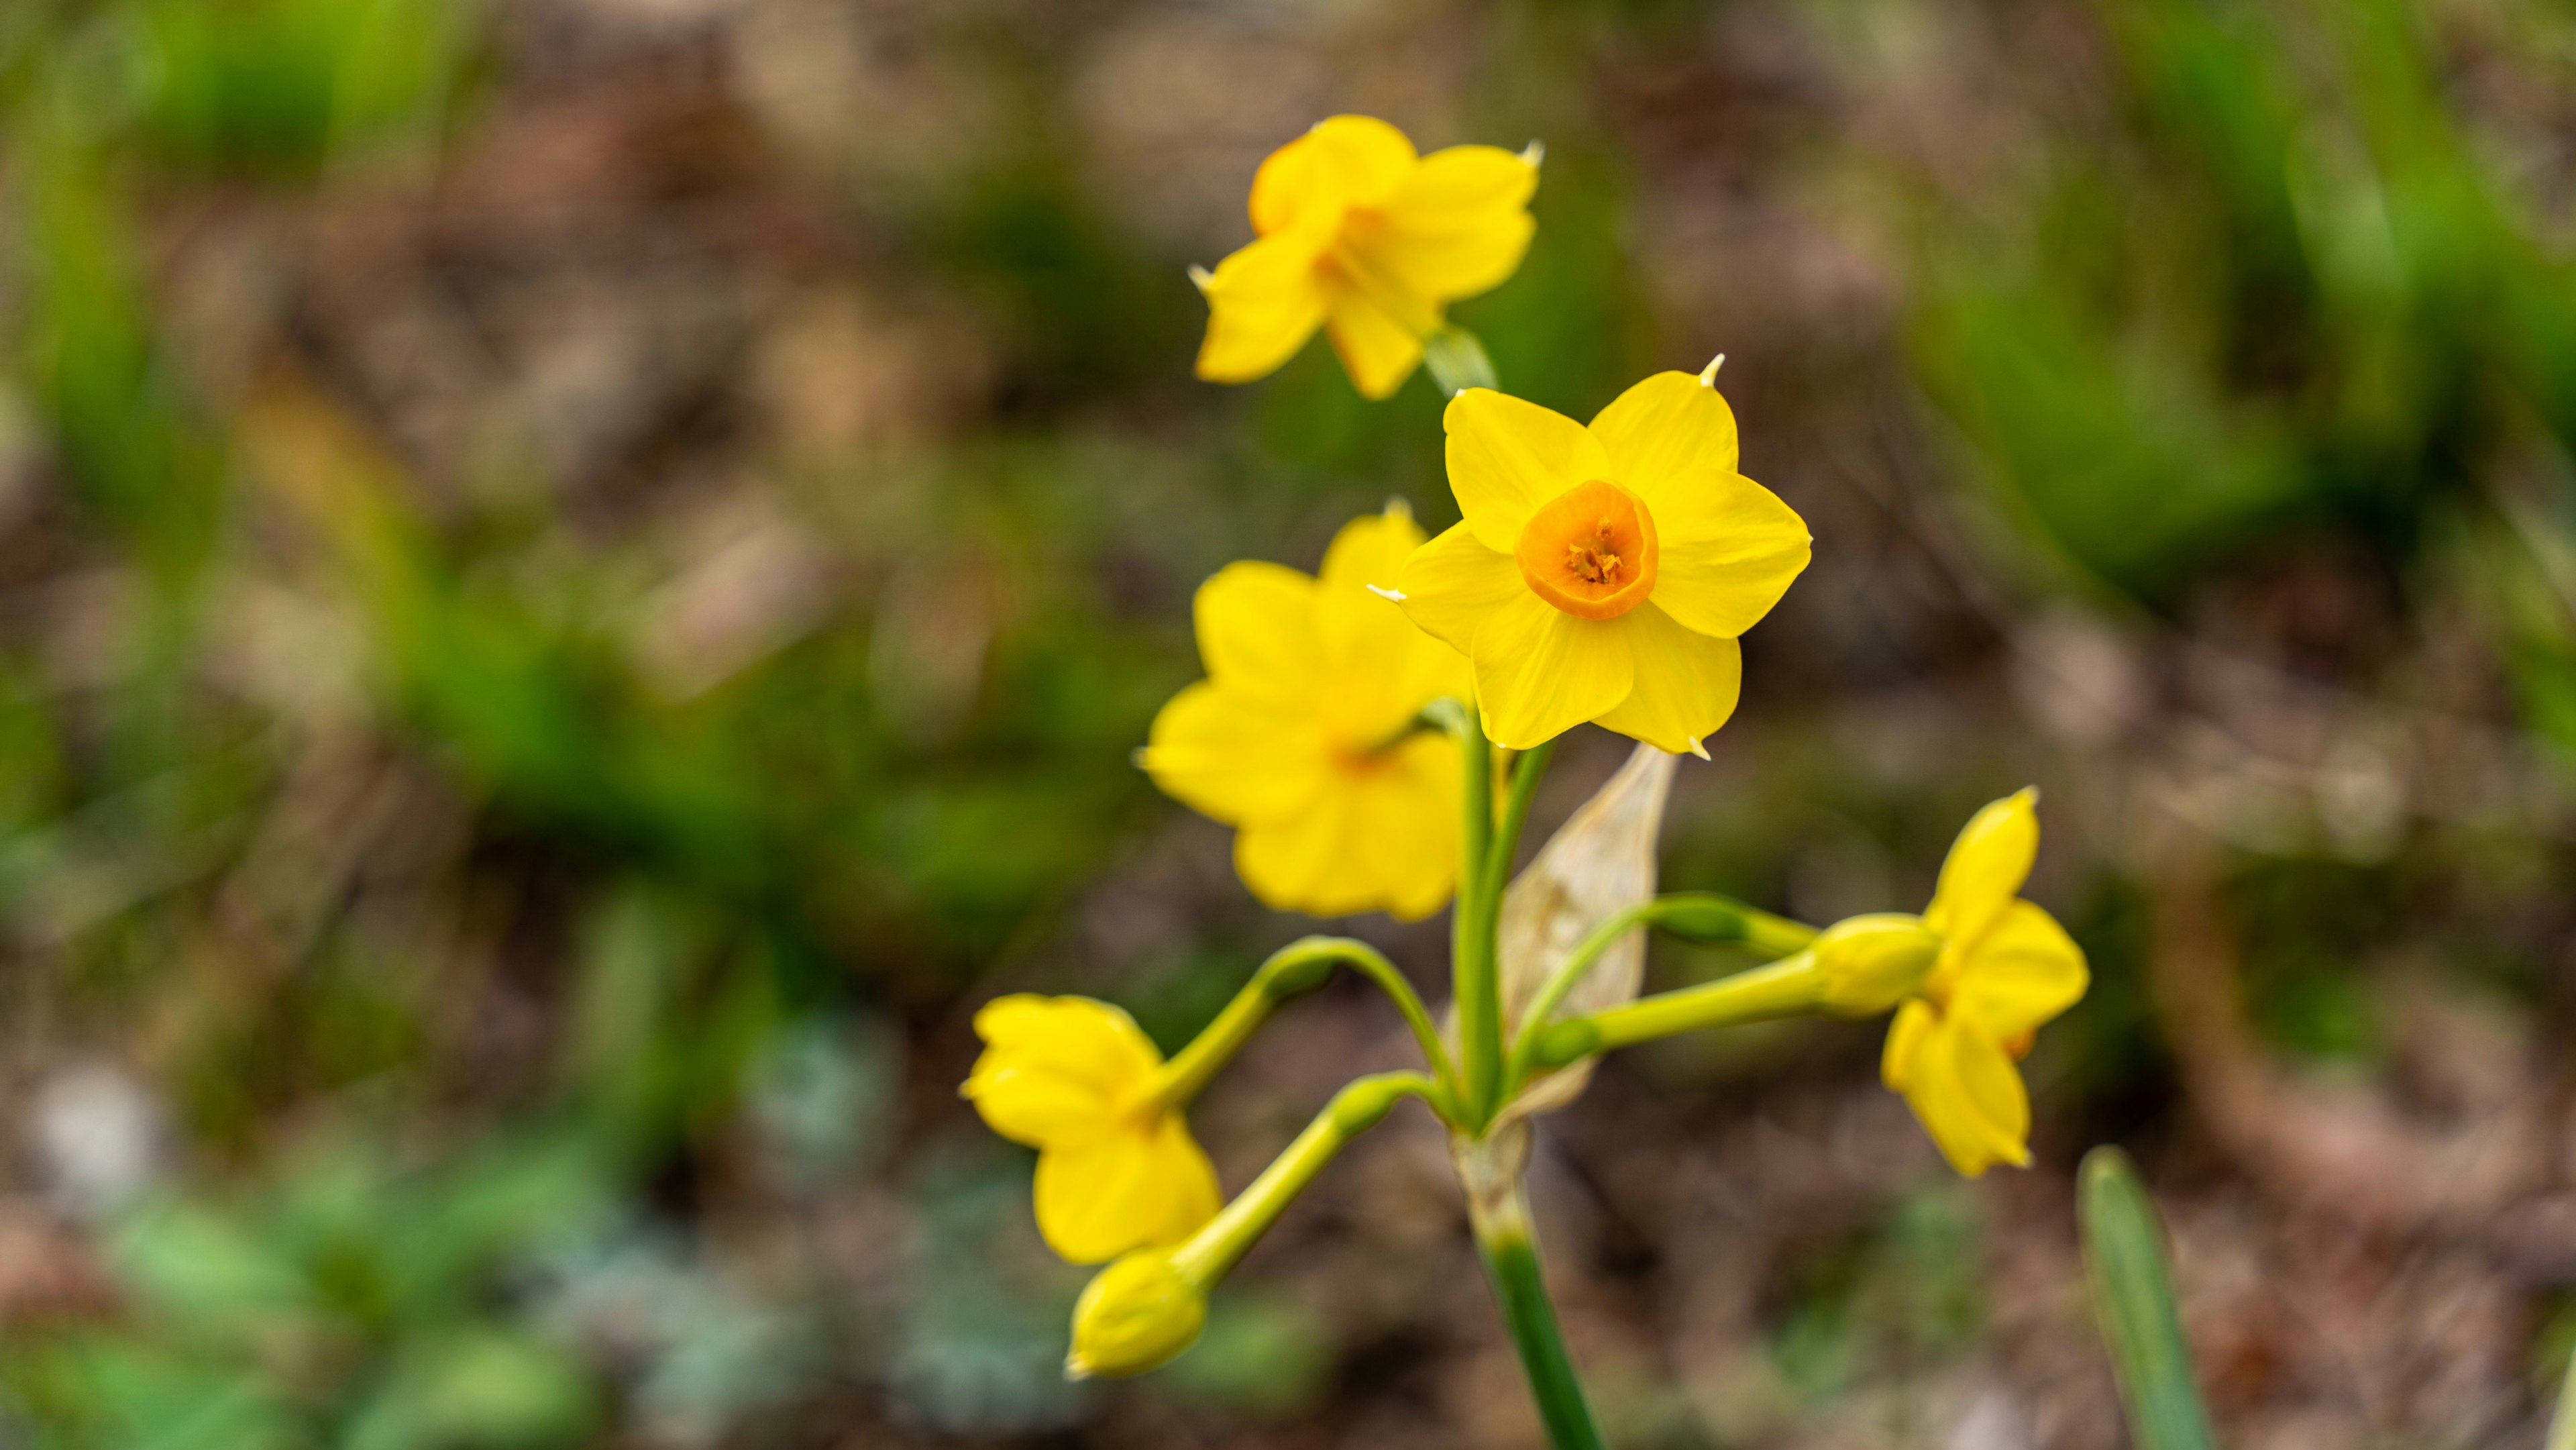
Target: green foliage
x,y
280,85
352,1302
2274,296
1263,1356
2133,1302
1909,1289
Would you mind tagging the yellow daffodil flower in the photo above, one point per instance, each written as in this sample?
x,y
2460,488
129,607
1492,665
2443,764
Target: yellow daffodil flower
x,y
1077,1080
1302,738
1361,236
1603,573
2005,968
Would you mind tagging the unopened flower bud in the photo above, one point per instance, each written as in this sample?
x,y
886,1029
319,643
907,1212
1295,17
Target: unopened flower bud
x,y
1871,963
1134,1316
1696,916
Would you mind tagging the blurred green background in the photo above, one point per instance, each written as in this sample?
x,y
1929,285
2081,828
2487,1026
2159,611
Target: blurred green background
x,y
582,574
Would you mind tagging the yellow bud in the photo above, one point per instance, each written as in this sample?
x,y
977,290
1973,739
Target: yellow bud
x,y
1871,963
1134,1316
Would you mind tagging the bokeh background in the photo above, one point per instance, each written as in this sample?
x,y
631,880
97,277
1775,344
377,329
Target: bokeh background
x,y
580,577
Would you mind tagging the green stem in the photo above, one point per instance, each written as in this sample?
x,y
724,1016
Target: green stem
x,y
1475,984
1293,970
1239,1225
1568,975
1698,916
1783,989
1498,1210
1526,773
1713,920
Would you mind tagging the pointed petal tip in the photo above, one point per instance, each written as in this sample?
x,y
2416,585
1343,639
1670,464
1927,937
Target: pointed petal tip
x,y
1708,375
1535,152
1076,1369
1392,596
1696,748
1201,278
1399,507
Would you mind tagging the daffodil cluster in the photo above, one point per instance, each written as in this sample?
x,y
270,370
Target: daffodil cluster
x,y
1375,732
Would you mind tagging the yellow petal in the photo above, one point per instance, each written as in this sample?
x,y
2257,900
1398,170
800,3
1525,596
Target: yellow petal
x,y
1375,343
1078,1036
1453,582
1507,457
1344,161
1234,755
1384,669
1291,862
1137,1188
1256,628
1416,808
1540,671
1984,872
1457,226
1729,549
1353,619
1684,685
2025,971
1968,1095
1030,1105
1384,839
1263,303
1054,1068
1191,1195
1363,275
1370,549
1670,425
1903,1058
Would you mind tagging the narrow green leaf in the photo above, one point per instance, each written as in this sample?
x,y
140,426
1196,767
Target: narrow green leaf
x,y
2562,1421
2133,1298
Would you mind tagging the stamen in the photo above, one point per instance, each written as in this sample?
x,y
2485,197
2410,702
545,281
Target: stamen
x,y
1597,563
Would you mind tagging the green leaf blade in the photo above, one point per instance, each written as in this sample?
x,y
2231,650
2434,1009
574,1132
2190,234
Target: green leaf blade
x,y
2133,1299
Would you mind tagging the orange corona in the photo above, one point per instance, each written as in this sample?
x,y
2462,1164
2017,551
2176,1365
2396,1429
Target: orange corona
x,y
1590,551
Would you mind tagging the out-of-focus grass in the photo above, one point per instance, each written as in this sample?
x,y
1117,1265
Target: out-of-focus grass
x,y
2282,290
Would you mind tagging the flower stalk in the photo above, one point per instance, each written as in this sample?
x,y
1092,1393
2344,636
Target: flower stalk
x,y
1476,984
1699,916
1151,1304
1492,1170
1785,988
1528,768
1358,1107
1491,1162
1291,972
